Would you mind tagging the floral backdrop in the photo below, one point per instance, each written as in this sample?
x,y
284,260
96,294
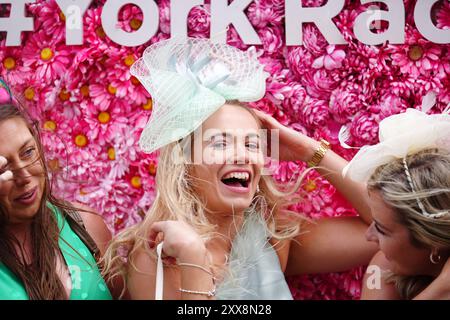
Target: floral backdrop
x,y
91,110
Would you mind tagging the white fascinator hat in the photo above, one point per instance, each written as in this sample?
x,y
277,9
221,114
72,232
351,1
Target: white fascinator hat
x,y
189,81
400,135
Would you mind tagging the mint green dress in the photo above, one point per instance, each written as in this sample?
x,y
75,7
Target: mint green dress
x,y
87,282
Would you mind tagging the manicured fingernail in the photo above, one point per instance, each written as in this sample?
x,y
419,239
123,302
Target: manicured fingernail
x,y
6,176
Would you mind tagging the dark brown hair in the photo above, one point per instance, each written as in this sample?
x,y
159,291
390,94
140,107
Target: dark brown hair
x,y
39,278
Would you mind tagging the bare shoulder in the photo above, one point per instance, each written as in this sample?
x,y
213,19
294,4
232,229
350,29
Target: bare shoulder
x,y
95,225
374,286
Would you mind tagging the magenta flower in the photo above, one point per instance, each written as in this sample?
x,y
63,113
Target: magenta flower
x,y
271,38
319,84
49,18
12,68
443,16
299,61
345,102
199,21
313,40
314,113
332,60
105,124
93,30
46,56
417,57
262,13
364,128
130,18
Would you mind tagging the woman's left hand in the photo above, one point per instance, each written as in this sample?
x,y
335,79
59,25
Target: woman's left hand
x,y
293,145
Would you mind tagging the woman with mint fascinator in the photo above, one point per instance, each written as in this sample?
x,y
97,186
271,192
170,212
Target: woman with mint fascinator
x,y
219,227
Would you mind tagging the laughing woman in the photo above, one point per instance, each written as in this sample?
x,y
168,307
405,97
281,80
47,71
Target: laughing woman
x,y
219,227
47,246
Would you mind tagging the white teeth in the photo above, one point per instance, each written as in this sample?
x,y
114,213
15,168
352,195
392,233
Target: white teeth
x,y
238,175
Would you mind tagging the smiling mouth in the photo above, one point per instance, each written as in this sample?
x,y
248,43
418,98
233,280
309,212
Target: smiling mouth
x,y
237,179
27,195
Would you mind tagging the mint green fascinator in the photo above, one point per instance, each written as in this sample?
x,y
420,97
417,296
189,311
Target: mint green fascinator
x,y
190,81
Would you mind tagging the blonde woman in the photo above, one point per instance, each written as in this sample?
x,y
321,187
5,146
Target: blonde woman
x,y
218,227
408,179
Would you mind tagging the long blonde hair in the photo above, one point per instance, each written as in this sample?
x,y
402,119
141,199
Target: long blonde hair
x,y
176,200
430,174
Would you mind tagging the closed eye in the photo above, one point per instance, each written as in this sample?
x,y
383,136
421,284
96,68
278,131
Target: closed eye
x,y
379,230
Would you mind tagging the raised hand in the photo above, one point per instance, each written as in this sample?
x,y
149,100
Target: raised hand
x,y
293,145
5,175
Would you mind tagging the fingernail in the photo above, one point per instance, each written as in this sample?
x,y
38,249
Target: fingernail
x,y
7,175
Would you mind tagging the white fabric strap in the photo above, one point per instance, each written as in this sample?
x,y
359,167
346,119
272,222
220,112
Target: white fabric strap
x,y
159,274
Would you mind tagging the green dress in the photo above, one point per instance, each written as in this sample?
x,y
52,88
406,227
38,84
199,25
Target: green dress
x,y
87,282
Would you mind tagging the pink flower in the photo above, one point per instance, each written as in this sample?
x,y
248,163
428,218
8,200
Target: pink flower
x,y
45,55
287,171
12,68
345,102
55,128
317,196
391,103
83,154
122,151
417,56
294,99
199,21
313,40
49,18
299,61
272,39
364,128
130,18
105,124
105,92
93,30
314,113
262,13
332,60
319,84
345,22
443,16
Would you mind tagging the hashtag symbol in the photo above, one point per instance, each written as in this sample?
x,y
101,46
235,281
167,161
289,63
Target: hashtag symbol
x,y
16,23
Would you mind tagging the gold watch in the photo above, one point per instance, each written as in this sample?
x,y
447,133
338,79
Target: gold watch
x,y
319,154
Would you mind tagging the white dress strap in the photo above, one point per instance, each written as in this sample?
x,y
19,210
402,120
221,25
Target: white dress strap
x,y
159,287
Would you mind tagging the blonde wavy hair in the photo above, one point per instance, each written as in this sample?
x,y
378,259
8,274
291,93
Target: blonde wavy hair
x,y
176,200
430,174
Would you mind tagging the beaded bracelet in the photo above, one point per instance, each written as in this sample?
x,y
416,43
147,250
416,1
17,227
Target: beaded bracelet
x,y
210,293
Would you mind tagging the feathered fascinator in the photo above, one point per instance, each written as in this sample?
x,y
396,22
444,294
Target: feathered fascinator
x,y
189,81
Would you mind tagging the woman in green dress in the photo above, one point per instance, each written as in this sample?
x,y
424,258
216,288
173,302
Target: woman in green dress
x,y
48,247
